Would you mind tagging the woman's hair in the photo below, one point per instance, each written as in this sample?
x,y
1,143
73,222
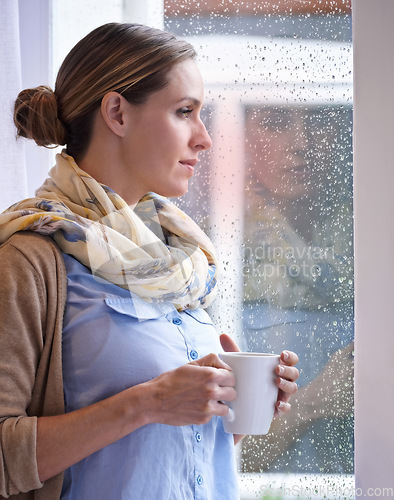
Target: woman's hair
x,y
131,59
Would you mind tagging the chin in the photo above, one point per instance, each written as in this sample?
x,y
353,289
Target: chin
x,y
174,193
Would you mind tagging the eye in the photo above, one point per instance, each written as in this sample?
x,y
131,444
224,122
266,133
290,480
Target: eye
x,y
185,111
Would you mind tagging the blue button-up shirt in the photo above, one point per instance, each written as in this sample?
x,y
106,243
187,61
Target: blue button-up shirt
x,y
113,340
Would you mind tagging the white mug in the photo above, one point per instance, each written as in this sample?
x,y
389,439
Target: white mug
x,y
253,409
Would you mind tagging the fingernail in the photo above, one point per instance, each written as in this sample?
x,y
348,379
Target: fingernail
x,y
280,405
281,370
286,355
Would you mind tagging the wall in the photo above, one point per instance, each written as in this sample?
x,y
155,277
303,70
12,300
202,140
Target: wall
x,y
374,242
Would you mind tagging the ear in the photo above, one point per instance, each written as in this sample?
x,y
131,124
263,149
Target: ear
x,y
113,110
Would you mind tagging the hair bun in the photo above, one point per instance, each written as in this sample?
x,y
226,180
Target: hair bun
x,y
36,117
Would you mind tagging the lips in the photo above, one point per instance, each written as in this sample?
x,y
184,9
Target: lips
x,y
190,163
298,169
299,173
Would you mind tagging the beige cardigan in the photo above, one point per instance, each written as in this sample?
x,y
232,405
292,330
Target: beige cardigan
x,y
33,290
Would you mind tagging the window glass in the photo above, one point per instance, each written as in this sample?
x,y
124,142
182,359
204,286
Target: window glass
x,y
275,194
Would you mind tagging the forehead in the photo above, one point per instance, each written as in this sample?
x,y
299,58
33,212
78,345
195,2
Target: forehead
x,y
184,82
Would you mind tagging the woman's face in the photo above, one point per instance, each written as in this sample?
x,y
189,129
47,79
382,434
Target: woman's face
x,y
279,152
165,136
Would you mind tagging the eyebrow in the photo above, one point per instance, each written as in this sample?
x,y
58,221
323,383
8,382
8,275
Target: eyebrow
x,y
195,101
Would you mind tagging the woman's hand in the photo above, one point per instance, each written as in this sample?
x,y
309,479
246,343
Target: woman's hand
x,y
191,394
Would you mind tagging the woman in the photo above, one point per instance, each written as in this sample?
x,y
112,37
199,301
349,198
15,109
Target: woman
x,y
298,219
108,311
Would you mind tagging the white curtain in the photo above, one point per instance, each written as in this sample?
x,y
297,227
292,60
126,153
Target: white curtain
x,y
13,183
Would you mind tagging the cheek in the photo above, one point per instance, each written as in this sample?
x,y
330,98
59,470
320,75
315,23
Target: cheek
x,y
167,139
268,145
156,130
264,176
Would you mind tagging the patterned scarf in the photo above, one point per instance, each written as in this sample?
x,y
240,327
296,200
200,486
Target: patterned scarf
x,y
156,251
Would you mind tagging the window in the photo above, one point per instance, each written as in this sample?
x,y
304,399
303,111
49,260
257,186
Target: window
x,y
279,190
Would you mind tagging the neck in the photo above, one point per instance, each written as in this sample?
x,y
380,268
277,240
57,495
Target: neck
x,y
105,165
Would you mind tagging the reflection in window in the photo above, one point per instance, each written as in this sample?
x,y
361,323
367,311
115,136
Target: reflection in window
x,y
298,278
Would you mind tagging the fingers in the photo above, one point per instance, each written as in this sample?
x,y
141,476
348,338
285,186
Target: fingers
x,y
286,381
282,407
286,390
217,375
226,394
212,360
287,372
228,343
221,384
286,386
217,386
289,358
287,375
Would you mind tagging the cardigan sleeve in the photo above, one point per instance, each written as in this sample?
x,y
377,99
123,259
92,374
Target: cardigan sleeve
x,y
28,356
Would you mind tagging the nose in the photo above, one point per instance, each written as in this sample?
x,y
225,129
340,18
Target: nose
x,y
201,139
300,141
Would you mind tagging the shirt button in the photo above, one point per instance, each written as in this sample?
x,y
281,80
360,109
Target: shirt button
x,y
199,480
198,437
193,354
177,321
